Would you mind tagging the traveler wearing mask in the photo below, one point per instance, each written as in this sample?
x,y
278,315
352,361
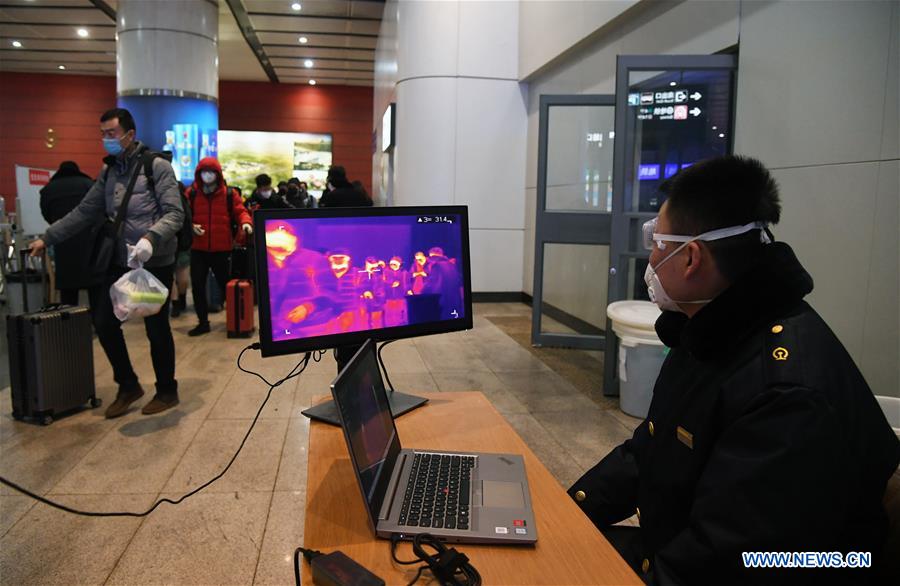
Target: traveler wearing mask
x,y
298,196
152,219
762,434
264,197
216,224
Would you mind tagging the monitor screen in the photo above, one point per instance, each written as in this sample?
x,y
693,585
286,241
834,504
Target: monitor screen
x,y
330,277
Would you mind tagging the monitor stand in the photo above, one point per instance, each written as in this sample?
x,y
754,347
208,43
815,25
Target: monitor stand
x,y
400,403
327,412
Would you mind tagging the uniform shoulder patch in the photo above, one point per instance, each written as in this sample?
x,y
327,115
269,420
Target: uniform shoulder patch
x,y
781,354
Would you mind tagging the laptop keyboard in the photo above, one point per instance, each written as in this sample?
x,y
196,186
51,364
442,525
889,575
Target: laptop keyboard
x,y
437,494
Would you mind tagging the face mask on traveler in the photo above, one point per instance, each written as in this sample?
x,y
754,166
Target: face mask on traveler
x,y
112,146
265,193
655,288
208,177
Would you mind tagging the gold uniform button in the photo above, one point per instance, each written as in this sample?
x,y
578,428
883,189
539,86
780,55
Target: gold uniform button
x,y
580,496
645,565
777,329
650,427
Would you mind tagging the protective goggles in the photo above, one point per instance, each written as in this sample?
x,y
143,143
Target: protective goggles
x,y
650,236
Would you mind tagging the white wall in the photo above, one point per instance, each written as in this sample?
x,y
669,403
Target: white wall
x,y
452,69
817,101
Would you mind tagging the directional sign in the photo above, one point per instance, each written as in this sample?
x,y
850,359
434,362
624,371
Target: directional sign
x,y
696,96
695,111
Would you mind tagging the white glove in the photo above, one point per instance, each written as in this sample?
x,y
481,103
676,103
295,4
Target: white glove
x,y
248,229
198,230
139,253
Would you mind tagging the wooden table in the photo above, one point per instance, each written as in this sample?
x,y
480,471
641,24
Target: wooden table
x,y
569,550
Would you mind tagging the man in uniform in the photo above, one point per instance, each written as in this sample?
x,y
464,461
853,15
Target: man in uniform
x,y
762,435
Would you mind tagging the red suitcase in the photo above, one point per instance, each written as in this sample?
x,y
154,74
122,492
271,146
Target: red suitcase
x,y
239,308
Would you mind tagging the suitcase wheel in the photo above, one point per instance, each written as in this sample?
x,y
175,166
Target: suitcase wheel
x,y
46,420
95,402
17,416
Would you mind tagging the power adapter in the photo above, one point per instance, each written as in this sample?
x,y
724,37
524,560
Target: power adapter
x,y
336,569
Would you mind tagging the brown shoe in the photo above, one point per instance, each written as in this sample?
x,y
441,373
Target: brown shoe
x,y
159,404
125,398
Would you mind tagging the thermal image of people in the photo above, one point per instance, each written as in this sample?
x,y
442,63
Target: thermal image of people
x,y
419,275
444,280
397,288
297,297
329,276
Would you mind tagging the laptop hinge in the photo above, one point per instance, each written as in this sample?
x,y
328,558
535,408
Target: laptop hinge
x,y
393,487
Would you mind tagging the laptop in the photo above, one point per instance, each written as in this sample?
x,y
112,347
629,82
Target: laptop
x,y
460,497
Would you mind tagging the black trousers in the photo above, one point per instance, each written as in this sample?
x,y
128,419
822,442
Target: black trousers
x,y
201,263
68,296
109,331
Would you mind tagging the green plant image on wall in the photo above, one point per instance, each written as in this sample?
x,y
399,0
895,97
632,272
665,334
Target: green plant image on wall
x,y
281,155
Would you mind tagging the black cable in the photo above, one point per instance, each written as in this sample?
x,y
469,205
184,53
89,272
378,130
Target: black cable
x,y
272,386
449,566
387,379
309,554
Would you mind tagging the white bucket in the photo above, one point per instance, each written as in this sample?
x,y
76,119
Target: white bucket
x,y
891,408
641,353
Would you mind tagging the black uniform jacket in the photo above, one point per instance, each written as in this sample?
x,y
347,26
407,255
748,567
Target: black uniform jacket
x,y
59,197
762,436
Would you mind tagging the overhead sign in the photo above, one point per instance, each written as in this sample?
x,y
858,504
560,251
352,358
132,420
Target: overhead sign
x,y
676,104
29,182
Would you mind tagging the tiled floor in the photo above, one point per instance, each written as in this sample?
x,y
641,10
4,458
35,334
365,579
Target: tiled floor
x,y
243,529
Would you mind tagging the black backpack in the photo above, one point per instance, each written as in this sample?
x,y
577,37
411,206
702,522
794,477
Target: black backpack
x,y
186,233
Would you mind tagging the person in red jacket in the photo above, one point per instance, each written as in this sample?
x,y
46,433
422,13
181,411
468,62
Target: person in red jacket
x,y
213,233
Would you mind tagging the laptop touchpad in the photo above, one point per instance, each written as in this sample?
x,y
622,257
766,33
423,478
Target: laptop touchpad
x,y
506,495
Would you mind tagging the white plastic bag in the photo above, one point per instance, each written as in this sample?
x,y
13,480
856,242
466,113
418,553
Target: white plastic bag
x,y
137,293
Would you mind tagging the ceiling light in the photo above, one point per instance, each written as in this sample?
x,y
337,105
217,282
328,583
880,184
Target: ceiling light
x,y
83,33
721,136
17,44
303,40
61,67
308,63
715,127
312,82
296,6
673,83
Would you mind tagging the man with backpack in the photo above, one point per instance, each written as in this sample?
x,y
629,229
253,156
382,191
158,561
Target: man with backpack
x,y
138,188
217,212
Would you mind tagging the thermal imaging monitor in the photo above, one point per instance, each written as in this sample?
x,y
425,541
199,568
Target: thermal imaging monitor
x,y
340,276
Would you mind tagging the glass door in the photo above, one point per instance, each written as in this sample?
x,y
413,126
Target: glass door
x,y
573,222
671,111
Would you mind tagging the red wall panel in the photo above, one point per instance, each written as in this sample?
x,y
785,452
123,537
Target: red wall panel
x,y
71,105
32,103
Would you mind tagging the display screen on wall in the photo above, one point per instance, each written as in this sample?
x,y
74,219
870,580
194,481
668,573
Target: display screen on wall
x,y
281,155
387,128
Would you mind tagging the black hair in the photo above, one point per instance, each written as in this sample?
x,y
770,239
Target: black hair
x,y
126,120
263,179
337,176
293,180
718,193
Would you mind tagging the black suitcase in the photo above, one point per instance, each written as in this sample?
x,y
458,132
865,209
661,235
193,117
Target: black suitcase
x,y
51,362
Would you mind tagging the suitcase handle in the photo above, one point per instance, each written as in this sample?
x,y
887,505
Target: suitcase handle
x,y
45,258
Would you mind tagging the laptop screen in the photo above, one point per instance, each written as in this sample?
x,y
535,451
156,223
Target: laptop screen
x,y
368,425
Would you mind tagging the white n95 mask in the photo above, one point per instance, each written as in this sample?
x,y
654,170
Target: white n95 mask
x,y
208,177
655,288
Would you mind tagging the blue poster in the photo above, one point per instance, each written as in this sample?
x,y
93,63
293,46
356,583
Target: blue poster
x,y
187,127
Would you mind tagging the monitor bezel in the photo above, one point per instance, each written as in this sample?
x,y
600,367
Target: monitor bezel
x,y
269,347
